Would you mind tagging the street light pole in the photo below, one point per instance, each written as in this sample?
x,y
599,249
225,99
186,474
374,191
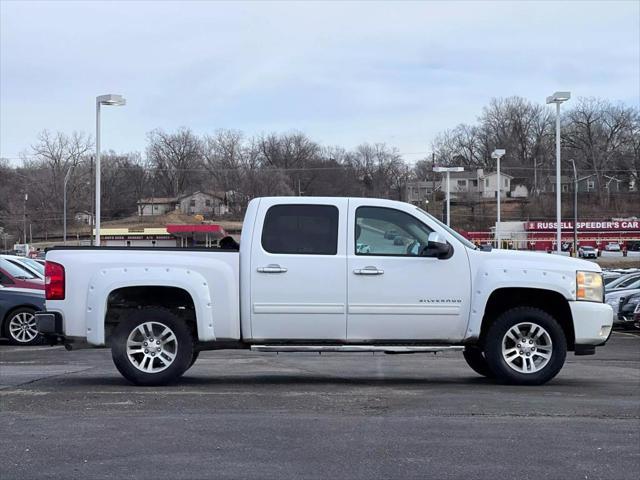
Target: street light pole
x,y
448,171
110,99
497,154
64,215
558,98
98,185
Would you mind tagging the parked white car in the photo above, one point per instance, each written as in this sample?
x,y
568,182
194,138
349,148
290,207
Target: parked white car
x,y
302,281
587,252
612,247
29,264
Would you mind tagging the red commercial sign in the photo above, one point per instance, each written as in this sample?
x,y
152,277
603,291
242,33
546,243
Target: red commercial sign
x,y
617,225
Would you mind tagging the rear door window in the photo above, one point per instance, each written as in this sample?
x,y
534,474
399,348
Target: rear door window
x,y
301,230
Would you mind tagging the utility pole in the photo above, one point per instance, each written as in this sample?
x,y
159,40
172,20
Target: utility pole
x,y
64,215
24,217
576,182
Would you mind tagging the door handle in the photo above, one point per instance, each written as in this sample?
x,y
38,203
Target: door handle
x,y
272,268
368,271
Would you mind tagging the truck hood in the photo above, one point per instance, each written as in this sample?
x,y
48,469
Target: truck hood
x,y
539,260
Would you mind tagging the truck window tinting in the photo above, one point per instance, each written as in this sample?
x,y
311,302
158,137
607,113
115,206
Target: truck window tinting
x,y
301,229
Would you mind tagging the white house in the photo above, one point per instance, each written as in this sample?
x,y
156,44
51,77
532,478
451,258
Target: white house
x,y
490,185
203,203
156,206
197,203
476,182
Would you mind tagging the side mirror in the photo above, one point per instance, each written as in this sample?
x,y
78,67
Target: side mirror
x,y
437,247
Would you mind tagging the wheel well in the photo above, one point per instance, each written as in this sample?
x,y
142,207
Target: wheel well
x,y
551,302
122,301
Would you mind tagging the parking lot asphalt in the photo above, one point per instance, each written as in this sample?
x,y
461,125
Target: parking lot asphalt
x,y
238,414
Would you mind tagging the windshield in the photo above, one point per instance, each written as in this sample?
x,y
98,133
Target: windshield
x,y
459,237
622,281
31,263
14,270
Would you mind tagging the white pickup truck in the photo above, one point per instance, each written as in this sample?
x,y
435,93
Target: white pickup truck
x,y
328,275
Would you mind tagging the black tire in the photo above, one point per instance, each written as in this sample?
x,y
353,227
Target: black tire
x,y
475,359
497,332
21,337
183,353
196,354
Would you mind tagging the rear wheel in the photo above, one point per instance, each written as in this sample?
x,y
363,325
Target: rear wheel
x,y
152,347
525,346
21,328
476,360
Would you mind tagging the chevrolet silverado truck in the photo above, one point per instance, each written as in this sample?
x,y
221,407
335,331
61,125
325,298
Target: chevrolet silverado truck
x,y
323,275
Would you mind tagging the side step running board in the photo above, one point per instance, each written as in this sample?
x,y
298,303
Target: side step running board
x,y
358,348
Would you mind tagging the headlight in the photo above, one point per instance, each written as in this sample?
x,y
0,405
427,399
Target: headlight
x,y
589,286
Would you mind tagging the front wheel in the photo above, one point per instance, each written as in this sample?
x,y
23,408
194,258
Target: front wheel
x,y
525,346
152,347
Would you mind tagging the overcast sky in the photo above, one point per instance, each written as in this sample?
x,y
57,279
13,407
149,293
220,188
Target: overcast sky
x,y
344,73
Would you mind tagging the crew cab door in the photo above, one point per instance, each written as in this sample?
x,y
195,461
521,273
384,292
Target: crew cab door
x,y
298,270
393,292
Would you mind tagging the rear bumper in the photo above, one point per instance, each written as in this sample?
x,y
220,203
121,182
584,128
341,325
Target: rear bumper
x,y
592,323
49,324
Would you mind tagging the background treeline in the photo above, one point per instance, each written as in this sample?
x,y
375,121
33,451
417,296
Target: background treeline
x,y
602,137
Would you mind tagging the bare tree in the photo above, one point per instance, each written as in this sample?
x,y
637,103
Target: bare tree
x,y
176,159
597,133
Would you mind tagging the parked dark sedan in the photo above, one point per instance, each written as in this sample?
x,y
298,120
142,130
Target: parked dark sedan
x,y
17,322
627,307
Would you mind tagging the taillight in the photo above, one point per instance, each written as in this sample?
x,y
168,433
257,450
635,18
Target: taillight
x,y
53,281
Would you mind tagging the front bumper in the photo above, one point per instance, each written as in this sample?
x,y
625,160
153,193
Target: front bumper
x,y
592,322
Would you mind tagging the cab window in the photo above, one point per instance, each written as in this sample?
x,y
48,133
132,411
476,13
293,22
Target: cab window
x,y
389,232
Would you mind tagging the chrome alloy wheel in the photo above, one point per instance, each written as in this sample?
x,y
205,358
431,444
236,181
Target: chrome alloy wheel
x,y
22,327
527,347
152,347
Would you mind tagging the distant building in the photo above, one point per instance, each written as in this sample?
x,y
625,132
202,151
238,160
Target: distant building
x,y
418,192
156,206
196,235
586,184
549,185
203,203
490,187
197,203
84,217
137,237
477,183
